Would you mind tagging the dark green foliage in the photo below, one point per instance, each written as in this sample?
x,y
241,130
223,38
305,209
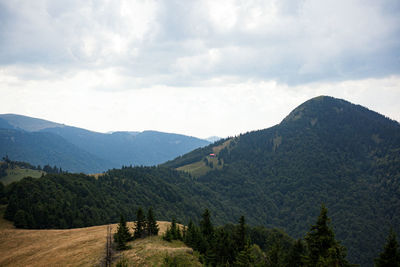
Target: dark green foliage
x,y
122,236
241,234
21,219
151,223
140,224
323,249
206,226
390,256
76,200
173,232
3,198
296,254
326,151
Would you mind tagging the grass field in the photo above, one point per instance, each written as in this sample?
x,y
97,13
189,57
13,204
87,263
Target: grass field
x,y
199,168
79,247
152,251
18,173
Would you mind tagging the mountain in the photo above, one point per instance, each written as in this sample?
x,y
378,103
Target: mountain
x,y
328,151
103,151
213,139
47,148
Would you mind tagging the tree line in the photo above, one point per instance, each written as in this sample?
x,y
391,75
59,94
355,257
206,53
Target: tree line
x,y
241,245
12,164
144,226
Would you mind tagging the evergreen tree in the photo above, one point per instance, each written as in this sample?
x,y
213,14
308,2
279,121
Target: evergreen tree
x,y
173,232
206,226
296,254
140,224
192,236
244,258
323,249
241,234
20,219
390,256
151,223
122,236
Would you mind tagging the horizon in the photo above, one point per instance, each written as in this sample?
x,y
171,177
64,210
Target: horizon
x,y
204,138
200,68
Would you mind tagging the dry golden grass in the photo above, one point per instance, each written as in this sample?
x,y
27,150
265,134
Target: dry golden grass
x,y
96,175
71,247
151,251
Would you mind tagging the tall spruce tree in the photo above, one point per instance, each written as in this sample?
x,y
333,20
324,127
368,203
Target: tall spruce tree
x,y
323,249
296,254
206,226
241,234
122,236
140,224
390,256
151,223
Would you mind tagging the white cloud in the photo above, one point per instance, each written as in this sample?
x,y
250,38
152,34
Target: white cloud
x,y
195,67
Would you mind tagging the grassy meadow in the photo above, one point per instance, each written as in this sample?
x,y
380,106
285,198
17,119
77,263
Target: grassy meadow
x,y
80,247
16,174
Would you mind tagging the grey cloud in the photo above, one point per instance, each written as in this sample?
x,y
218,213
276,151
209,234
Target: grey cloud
x,y
185,43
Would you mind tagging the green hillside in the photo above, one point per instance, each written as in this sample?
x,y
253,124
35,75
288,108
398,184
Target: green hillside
x,y
18,173
325,151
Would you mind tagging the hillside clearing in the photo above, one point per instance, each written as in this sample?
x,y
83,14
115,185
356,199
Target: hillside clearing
x,y
16,174
75,247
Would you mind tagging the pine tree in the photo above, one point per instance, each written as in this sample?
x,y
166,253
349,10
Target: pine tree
x,y
390,256
244,259
173,232
192,236
206,226
241,234
122,236
151,223
323,249
296,254
140,224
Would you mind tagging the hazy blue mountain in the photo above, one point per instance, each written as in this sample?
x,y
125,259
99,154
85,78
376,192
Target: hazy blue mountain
x,y
47,148
213,139
116,148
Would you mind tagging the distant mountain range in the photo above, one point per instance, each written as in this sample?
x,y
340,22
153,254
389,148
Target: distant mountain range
x,y
42,142
327,150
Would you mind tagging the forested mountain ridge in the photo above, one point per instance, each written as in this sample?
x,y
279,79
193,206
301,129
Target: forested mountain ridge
x,y
103,151
326,150
47,148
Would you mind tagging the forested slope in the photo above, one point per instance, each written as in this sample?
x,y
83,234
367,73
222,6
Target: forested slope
x,y
77,200
326,150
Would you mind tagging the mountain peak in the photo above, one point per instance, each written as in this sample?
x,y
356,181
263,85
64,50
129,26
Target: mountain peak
x,y
332,110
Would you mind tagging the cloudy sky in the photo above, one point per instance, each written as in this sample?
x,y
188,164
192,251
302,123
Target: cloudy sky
x,y
199,68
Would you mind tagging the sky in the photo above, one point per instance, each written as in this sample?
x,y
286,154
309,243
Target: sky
x,y
200,68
